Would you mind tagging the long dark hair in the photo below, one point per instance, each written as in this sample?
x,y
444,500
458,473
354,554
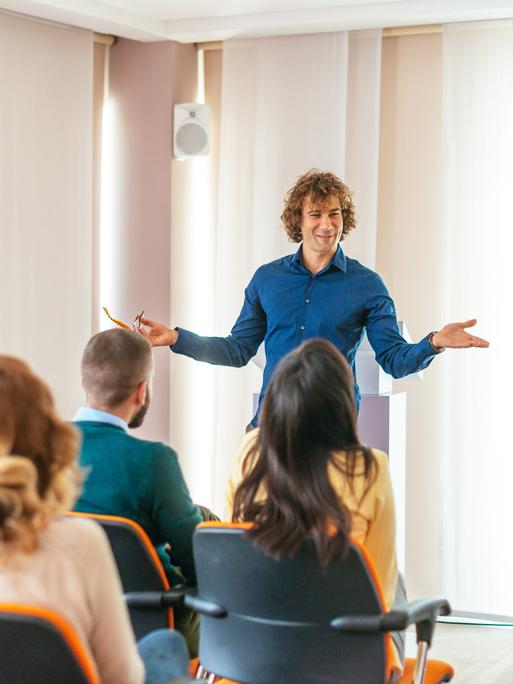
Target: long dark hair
x,y
308,418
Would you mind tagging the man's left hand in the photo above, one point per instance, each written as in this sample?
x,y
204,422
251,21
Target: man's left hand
x,y
454,336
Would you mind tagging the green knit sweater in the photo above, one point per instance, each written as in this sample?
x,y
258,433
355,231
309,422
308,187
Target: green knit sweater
x,y
141,480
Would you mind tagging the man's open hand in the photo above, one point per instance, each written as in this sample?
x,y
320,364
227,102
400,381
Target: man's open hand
x,y
454,336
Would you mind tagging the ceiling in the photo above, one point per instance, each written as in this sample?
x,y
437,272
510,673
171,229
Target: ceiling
x,y
189,21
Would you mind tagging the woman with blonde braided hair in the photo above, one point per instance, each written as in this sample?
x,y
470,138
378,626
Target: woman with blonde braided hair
x,y
58,562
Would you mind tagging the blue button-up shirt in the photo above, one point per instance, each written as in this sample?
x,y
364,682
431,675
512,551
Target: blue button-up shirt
x,y
285,304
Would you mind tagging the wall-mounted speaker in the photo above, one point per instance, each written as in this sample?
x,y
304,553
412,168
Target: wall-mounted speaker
x,y
191,130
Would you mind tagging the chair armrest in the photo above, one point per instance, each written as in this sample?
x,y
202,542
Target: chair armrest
x,y
357,624
154,599
209,608
422,613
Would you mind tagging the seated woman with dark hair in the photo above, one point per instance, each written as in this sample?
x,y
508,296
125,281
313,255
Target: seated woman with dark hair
x,y
303,472
63,563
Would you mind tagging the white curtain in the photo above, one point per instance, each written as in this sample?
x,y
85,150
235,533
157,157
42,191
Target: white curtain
x,y
283,112
285,109
476,255
45,199
362,135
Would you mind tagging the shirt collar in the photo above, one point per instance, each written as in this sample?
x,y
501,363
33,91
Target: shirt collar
x,y
92,415
339,259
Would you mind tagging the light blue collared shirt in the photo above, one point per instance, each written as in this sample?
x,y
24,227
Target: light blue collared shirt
x,y
92,415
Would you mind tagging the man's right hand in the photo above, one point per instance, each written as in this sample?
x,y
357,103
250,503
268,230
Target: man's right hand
x,y
157,334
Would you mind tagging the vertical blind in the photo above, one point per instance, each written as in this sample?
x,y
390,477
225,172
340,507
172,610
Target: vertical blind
x,y
46,199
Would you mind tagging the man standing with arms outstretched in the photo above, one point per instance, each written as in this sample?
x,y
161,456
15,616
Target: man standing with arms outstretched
x,y
316,292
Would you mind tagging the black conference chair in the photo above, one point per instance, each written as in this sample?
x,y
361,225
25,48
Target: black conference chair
x,y
146,588
39,645
265,621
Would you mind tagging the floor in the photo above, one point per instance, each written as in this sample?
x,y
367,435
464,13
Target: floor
x,y
480,654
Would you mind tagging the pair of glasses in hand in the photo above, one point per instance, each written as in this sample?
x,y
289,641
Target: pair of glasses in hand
x,y
136,324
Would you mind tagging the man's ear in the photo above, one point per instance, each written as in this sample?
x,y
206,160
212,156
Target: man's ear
x,y
140,392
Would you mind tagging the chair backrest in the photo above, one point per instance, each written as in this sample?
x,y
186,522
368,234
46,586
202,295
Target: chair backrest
x,y
38,645
278,613
139,567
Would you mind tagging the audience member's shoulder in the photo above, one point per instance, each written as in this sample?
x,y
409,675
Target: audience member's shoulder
x,y
158,452
247,443
249,439
73,529
153,448
80,543
381,460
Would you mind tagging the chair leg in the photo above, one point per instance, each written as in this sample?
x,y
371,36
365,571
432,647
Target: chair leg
x,y
205,675
201,672
420,665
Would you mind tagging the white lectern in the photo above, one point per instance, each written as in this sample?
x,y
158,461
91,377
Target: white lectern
x,y
382,425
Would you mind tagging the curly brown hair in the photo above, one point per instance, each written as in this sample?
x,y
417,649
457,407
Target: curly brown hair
x,y
318,186
39,477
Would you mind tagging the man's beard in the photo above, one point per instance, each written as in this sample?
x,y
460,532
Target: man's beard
x,y
138,419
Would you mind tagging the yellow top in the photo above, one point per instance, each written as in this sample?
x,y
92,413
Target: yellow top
x,y
373,518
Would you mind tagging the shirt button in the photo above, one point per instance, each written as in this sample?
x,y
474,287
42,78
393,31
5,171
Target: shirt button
x,y
302,327
307,301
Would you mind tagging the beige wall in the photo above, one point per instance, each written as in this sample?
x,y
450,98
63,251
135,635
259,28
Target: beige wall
x,y
213,83
146,79
46,199
409,208
100,62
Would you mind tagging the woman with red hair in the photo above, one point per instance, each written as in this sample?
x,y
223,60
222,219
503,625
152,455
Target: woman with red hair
x,y
58,562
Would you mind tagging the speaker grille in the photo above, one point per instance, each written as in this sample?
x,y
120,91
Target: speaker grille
x,y
191,138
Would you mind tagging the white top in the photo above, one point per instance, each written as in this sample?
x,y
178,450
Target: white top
x,y
73,573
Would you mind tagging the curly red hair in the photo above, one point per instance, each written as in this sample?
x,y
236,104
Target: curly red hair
x,y
39,477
